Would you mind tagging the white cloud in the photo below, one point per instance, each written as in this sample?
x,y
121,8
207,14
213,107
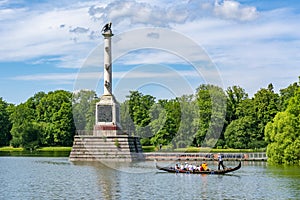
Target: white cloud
x,y
79,30
234,10
28,34
31,34
139,13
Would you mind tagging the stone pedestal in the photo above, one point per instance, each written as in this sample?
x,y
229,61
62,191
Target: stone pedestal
x,y
107,117
106,149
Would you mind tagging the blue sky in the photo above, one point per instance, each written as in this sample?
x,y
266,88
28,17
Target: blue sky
x,y
50,45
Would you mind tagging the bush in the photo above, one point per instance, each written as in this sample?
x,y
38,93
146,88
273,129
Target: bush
x,y
145,142
32,145
16,142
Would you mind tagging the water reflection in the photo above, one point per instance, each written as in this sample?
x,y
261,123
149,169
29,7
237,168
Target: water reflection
x,y
203,186
291,176
52,162
57,178
107,178
141,180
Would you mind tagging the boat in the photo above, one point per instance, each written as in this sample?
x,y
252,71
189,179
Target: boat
x,y
224,171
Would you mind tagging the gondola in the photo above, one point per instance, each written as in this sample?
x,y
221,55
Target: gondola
x,y
224,171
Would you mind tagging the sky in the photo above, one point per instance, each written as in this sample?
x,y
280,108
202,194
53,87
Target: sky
x,y
162,48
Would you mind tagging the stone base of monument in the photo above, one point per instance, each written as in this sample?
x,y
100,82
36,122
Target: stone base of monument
x,y
108,130
120,148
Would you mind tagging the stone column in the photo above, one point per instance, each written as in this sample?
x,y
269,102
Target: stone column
x,y
107,109
107,63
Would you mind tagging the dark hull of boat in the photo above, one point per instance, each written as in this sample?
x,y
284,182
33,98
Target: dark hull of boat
x,y
224,171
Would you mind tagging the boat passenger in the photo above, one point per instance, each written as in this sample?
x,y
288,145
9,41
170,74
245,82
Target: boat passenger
x,y
195,167
177,168
186,166
201,168
191,167
204,167
181,166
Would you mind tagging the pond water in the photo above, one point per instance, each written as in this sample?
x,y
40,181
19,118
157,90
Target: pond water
x,y
57,178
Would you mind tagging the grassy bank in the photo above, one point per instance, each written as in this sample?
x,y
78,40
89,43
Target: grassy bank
x,y
145,149
40,152
41,149
54,149
10,149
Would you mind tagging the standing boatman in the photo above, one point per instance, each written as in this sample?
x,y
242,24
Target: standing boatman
x,y
220,159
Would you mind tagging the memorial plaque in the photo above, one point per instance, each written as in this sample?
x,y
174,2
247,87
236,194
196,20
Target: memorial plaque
x,y
104,113
117,114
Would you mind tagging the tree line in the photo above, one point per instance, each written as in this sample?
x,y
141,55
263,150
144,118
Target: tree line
x,y
43,120
211,117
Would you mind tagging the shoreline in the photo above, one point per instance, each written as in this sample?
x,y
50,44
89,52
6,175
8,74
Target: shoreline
x,y
228,155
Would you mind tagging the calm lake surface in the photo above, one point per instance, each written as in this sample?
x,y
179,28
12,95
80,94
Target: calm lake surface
x,y
57,178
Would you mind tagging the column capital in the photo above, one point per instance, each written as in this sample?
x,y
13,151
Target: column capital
x,y
108,34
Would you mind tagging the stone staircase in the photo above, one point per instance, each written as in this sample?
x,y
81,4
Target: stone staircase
x,y
120,148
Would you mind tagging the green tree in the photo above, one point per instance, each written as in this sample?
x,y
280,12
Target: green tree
x,y
5,124
235,96
265,105
139,108
239,132
126,121
245,108
54,112
84,105
188,126
34,101
171,118
211,101
25,131
286,94
283,134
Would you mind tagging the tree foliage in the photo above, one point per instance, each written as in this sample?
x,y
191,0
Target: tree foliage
x,y
286,94
165,132
283,134
126,120
240,132
5,124
44,119
25,131
189,124
235,96
139,107
266,106
83,107
55,114
211,101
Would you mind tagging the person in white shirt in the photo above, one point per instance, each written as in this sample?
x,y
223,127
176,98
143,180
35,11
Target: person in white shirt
x,y
220,159
186,166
